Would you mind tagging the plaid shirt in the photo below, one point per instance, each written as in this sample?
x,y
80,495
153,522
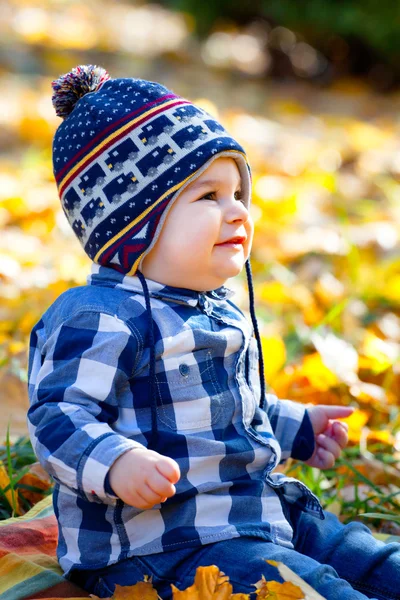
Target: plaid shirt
x,y
88,389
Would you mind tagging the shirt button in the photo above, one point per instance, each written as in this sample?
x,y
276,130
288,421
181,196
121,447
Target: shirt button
x,y
184,370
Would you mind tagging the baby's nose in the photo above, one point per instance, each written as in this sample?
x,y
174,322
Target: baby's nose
x,y
238,211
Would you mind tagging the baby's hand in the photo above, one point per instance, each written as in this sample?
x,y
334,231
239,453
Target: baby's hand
x,y
330,436
143,478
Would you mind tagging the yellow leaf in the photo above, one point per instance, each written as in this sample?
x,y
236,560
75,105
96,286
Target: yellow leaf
x,y
273,292
209,584
274,590
142,590
16,346
392,288
314,179
191,593
33,127
274,353
318,374
381,354
36,477
279,213
4,482
27,322
382,435
356,421
285,591
308,593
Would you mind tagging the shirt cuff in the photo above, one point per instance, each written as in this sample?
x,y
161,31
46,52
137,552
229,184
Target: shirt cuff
x,y
304,442
107,486
97,460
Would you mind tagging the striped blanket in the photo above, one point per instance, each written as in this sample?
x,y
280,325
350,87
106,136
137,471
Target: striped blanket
x,y
28,564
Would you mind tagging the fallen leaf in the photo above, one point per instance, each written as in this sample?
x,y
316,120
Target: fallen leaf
x,y
317,373
142,590
274,590
274,348
4,482
209,584
288,575
36,477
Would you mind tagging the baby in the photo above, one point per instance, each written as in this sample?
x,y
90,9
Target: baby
x,y
147,396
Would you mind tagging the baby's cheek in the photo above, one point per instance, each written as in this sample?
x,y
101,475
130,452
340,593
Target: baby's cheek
x,y
250,234
247,248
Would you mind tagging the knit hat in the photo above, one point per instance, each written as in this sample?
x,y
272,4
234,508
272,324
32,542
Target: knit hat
x,y
125,150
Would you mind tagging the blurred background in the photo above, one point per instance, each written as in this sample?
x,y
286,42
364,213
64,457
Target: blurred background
x,y
311,89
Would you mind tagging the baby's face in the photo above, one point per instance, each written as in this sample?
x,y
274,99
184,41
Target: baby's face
x,y
205,214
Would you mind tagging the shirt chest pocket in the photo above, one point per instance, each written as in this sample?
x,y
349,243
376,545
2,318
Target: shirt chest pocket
x,y
189,396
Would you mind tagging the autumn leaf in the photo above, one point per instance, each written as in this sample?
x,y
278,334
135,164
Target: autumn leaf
x,y
142,590
36,477
308,593
274,348
274,590
4,482
209,584
381,354
356,421
317,373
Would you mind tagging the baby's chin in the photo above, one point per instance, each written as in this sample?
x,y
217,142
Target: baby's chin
x,y
229,269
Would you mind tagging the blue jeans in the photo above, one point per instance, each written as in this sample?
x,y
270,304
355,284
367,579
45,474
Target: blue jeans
x,y
342,562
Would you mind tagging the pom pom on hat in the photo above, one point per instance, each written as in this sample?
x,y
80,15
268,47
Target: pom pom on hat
x,y
73,85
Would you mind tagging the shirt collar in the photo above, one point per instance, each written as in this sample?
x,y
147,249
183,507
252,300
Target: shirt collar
x,y
110,277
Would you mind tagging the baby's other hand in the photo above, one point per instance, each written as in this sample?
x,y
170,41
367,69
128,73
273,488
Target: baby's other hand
x,y
330,436
143,478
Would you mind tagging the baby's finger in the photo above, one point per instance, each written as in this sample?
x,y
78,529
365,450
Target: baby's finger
x,y
169,468
329,429
160,485
338,411
145,498
329,444
340,433
150,496
325,459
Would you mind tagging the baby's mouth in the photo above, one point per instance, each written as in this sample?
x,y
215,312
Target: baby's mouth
x,y
235,241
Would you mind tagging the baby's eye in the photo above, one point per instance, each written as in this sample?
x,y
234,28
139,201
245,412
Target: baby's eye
x,y
207,195
238,195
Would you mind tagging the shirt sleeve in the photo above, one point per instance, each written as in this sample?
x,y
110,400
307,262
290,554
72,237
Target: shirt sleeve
x,y
75,381
304,442
291,426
